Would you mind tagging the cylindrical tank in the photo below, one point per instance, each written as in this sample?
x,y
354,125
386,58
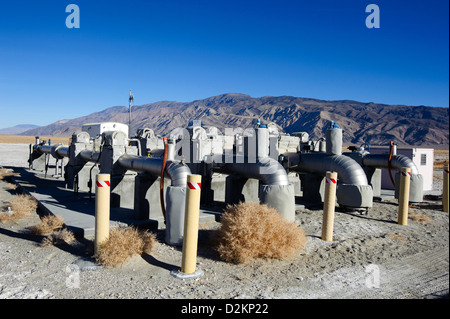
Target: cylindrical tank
x,y
334,141
170,149
322,146
262,135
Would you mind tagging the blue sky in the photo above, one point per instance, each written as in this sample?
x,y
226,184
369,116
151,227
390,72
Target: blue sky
x,y
188,50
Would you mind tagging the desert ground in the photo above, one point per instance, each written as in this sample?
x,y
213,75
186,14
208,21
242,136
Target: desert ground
x,y
371,257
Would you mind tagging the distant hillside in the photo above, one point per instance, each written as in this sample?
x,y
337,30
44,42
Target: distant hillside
x,y
18,129
373,123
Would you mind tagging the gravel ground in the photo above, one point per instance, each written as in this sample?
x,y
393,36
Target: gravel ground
x,y
371,257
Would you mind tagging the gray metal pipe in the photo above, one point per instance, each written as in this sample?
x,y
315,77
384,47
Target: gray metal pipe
x,y
349,171
276,190
176,171
89,156
267,170
63,151
397,162
44,149
58,151
141,164
353,190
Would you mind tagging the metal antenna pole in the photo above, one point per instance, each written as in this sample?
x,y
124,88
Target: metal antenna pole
x,y
130,99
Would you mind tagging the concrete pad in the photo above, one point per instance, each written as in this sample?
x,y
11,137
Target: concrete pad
x,y
14,155
78,210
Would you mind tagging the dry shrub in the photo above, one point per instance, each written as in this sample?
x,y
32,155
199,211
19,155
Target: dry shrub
x,y
59,237
124,242
6,174
47,225
21,206
250,230
53,226
24,204
420,218
10,186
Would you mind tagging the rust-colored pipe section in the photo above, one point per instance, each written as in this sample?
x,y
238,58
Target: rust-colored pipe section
x,y
161,183
391,150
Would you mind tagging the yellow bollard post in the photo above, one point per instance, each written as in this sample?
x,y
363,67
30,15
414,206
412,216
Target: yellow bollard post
x,y
102,209
445,190
329,205
403,198
190,234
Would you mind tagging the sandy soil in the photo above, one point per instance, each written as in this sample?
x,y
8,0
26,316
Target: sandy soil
x,y
20,139
371,257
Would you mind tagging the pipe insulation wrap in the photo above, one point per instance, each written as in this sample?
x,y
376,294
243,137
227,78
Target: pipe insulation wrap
x,y
175,194
333,141
397,162
262,135
280,197
415,187
349,171
353,190
267,170
170,150
276,190
354,196
175,171
175,210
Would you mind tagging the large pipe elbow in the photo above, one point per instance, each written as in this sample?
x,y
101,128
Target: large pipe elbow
x,y
353,191
271,172
176,171
266,169
276,191
397,162
349,171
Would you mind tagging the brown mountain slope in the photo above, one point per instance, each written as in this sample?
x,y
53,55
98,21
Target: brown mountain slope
x,y
376,124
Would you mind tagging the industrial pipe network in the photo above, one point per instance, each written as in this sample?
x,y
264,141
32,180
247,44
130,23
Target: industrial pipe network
x,y
255,164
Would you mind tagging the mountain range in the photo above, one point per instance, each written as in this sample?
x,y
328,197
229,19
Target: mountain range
x,y
17,129
372,123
